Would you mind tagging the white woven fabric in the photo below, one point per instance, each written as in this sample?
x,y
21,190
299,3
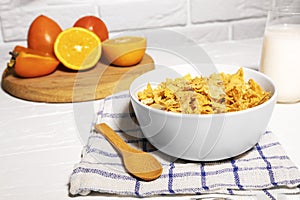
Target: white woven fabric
x,y
264,172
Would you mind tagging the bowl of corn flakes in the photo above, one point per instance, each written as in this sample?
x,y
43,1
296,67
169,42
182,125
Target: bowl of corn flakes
x,y
199,117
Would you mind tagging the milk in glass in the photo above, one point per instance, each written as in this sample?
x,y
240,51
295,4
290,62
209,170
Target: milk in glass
x,y
281,60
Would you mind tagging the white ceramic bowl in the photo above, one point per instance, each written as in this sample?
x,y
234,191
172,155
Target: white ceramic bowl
x,y
202,137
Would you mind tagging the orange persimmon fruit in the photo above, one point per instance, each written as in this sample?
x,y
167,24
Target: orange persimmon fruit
x,y
42,34
29,63
93,24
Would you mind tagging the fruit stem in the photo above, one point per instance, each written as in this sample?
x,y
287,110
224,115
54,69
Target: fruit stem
x,y
12,60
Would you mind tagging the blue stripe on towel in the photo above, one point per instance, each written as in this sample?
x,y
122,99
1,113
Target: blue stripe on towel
x,y
101,152
230,191
137,188
100,113
268,167
236,174
104,163
84,189
203,177
267,132
270,145
116,115
259,158
269,194
120,96
101,173
170,182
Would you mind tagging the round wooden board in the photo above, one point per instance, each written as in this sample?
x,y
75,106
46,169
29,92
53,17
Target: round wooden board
x,y
65,86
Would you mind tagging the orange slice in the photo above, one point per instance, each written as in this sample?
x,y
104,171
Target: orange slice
x,y
124,51
78,48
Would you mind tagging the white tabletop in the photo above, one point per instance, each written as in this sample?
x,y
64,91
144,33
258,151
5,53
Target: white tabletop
x,y
40,143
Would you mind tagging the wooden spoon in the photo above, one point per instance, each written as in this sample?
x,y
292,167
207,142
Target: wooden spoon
x,y
138,163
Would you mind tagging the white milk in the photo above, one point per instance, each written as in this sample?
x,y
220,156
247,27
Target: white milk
x,y
281,60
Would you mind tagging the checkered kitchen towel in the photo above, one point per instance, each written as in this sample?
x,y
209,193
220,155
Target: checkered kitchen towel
x,y
264,172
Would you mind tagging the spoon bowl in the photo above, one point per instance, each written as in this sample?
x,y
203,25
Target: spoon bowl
x,y
138,163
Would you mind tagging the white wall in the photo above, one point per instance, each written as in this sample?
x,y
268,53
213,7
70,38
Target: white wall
x,y
200,20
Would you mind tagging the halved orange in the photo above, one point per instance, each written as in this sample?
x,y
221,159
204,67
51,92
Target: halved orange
x,y
124,51
78,48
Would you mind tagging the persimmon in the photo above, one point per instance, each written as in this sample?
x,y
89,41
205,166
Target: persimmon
x,y
93,24
28,63
42,34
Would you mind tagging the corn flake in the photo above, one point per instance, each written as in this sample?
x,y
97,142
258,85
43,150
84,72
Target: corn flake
x,y
217,93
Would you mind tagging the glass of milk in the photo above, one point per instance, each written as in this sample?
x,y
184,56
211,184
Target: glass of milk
x,y
280,58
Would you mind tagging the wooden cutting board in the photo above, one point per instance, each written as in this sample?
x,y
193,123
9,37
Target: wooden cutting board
x,y
65,86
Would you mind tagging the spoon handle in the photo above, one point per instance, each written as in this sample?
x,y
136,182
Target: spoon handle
x,y
114,138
